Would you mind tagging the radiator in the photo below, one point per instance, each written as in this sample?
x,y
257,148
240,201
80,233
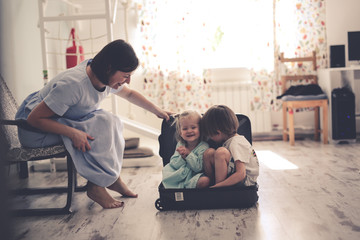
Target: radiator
x,y
235,92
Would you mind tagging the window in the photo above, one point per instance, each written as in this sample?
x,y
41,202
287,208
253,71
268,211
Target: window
x,y
197,34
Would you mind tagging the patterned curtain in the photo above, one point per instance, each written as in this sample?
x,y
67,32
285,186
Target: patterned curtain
x,y
175,44
299,30
180,38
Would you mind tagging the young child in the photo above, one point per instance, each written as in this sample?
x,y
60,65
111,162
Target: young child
x,y
235,163
185,169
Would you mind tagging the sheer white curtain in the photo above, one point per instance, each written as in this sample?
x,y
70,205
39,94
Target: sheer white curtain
x,y
181,38
197,34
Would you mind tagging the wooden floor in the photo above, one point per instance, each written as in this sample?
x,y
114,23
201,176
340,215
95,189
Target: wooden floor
x,y
309,191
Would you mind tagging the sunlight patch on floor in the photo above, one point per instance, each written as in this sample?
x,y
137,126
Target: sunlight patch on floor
x,y
274,161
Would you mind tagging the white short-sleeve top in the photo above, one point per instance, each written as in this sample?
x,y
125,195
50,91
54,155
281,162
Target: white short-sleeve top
x,y
71,94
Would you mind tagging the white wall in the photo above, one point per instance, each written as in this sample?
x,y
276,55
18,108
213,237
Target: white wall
x,y
20,60
342,16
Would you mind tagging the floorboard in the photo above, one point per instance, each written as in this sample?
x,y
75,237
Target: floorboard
x,y
308,191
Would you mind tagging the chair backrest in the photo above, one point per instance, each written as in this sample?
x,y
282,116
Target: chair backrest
x,y
168,142
286,78
8,108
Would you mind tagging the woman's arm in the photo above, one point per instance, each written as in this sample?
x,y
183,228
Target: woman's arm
x,y
234,178
40,117
138,99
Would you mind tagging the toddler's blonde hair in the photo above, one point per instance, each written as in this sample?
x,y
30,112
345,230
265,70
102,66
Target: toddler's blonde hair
x,y
187,113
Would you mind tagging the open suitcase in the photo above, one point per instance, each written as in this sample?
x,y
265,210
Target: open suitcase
x,y
208,198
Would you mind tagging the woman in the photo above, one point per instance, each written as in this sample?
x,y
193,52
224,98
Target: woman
x,y
66,110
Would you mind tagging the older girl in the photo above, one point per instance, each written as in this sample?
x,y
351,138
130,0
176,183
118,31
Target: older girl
x,y
235,162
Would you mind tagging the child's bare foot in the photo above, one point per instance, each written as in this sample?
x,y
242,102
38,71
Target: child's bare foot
x,y
102,197
120,187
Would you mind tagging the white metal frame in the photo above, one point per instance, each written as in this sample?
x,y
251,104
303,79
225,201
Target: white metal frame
x,y
109,15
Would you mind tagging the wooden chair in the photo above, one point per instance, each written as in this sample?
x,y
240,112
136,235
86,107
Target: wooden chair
x,y
312,101
12,152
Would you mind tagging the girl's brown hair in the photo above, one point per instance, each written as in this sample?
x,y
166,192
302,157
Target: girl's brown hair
x,y
219,118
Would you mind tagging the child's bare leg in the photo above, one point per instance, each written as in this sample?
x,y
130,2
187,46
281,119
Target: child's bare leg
x,y
101,196
203,182
209,164
120,187
221,159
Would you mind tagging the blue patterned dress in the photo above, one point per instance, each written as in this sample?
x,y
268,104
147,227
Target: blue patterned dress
x,y
184,173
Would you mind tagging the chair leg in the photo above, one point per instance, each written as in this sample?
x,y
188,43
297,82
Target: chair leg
x,y
325,123
23,170
317,124
285,131
71,186
291,127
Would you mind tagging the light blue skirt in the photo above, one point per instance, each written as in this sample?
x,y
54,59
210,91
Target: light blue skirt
x,y
102,164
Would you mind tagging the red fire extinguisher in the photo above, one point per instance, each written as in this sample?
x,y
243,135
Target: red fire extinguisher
x,y
73,52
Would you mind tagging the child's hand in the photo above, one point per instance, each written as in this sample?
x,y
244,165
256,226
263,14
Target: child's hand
x,y
183,151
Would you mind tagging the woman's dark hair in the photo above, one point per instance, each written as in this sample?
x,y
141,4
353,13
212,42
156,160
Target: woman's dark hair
x,y
219,118
115,56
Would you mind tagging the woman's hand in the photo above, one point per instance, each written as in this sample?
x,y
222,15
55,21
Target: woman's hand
x,y
41,118
164,115
80,140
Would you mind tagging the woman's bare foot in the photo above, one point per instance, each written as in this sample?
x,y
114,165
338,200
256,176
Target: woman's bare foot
x,y
120,187
102,197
